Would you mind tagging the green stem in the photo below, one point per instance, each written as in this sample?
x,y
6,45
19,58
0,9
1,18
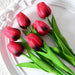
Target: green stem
x,y
50,36
49,22
29,29
26,56
43,49
22,39
53,39
25,32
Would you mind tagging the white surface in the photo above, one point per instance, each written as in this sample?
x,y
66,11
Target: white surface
x,y
3,69
4,4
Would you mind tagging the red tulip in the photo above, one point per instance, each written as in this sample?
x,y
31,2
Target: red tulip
x,y
41,27
22,20
12,33
15,48
43,10
34,41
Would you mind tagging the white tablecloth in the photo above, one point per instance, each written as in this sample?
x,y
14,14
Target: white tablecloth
x,y
3,69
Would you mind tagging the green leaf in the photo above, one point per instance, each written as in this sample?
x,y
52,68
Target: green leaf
x,y
55,27
55,66
52,35
64,56
70,59
28,65
46,47
43,54
66,44
63,47
56,61
42,49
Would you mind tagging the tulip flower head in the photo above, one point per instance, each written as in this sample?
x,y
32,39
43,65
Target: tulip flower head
x,y
22,20
41,27
12,33
43,10
15,48
34,41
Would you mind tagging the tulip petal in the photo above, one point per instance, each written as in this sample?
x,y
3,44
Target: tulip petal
x,y
12,33
43,10
23,20
41,27
15,48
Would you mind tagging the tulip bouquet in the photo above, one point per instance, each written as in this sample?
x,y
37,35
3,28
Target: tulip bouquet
x,y
42,56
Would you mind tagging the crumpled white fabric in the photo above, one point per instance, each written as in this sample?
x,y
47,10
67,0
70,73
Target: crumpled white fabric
x,y
9,7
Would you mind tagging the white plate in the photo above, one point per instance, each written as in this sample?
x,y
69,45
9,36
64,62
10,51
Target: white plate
x,y
66,22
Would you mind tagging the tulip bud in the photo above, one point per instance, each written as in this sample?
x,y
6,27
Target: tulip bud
x,y
12,33
15,48
22,20
41,27
43,10
34,41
